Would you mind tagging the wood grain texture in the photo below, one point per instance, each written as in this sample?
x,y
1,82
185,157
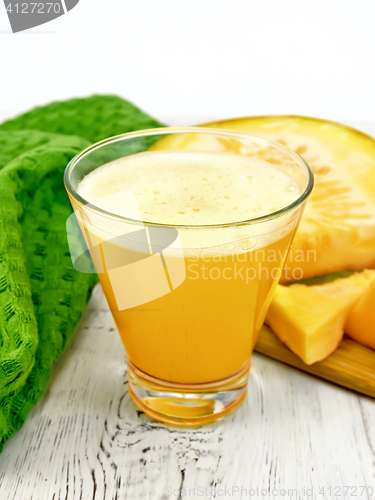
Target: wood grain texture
x,y
86,440
351,365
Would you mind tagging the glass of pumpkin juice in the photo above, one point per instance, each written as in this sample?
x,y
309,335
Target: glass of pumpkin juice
x,y
188,230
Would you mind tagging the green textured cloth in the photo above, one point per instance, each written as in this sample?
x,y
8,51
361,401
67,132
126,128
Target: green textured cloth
x,y
42,297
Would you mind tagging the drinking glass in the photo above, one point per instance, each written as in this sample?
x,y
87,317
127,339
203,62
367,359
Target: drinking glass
x,y
188,300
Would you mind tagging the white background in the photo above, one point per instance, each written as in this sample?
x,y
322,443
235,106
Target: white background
x,y
208,58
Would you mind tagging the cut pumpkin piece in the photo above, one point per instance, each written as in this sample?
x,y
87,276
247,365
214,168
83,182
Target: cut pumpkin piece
x,y
337,230
361,322
310,319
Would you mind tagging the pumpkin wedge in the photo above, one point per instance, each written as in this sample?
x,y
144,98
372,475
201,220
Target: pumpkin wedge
x,y
337,230
310,319
361,322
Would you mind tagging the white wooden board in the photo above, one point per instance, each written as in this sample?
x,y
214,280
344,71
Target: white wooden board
x,y
86,440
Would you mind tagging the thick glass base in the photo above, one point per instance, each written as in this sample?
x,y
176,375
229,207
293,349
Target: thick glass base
x,y
187,405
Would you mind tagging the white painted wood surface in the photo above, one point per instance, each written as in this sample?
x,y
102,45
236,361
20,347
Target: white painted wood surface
x,y
86,440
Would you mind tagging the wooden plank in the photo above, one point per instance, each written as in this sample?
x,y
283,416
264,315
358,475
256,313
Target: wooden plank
x,y
86,440
351,365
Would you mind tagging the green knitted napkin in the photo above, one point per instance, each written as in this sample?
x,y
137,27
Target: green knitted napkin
x,y
42,297
94,118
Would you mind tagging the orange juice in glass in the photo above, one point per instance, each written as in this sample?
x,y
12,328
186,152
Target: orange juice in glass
x,y
188,237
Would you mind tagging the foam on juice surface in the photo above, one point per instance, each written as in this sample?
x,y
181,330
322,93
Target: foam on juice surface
x,y
192,188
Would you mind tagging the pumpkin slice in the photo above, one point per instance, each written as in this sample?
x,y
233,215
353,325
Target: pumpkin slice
x,y
361,322
337,230
310,319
